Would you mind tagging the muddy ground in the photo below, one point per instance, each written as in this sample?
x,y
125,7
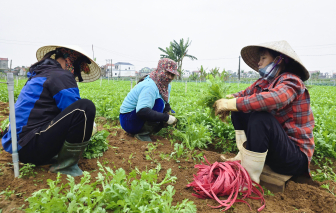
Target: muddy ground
x,y
297,197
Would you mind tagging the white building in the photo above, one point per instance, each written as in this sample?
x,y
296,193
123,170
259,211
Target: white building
x,y
23,71
107,69
186,73
123,69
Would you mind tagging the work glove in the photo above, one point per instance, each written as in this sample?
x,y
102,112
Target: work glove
x,y
172,120
94,130
224,106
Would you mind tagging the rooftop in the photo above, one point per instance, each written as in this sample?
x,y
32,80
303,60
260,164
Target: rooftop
x,y
123,63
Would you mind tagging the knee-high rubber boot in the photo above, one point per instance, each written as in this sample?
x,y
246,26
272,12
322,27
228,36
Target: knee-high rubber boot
x,y
148,129
240,139
253,162
68,157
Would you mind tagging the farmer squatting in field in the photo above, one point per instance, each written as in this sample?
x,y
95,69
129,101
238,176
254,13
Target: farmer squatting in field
x,y
272,118
53,123
146,109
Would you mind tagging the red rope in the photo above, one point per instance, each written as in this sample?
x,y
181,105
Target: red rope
x,y
225,179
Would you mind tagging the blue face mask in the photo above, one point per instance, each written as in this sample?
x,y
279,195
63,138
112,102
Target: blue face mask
x,y
270,70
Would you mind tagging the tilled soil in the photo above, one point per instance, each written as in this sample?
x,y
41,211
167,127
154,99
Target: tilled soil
x,y
296,198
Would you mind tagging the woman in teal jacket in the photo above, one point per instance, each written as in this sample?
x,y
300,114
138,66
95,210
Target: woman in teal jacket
x,y
146,107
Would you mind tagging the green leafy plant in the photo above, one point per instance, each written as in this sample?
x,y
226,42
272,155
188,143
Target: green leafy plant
x,y
97,145
267,192
150,150
118,193
179,151
27,171
4,125
7,193
216,90
196,135
164,156
324,173
197,156
130,159
326,186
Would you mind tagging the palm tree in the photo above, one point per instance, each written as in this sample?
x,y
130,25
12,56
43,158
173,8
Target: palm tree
x,y
202,72
224,75
214,72
177,51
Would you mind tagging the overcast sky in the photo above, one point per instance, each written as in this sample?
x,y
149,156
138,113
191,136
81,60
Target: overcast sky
x,y
131,31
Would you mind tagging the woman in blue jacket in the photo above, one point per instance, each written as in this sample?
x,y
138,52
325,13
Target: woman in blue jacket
x,y
53,123
146,107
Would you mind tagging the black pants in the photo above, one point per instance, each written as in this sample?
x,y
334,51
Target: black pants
x,y
264,133
74,125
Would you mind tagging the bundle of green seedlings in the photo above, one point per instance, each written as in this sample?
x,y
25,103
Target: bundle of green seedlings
x,y
97,146
216,90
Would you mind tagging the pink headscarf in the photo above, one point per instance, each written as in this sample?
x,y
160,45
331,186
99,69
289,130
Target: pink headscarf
x,y
160,78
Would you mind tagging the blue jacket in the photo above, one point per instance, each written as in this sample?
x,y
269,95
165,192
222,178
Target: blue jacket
x,y
48,91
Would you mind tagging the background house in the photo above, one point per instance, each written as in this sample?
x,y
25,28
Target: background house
x,y
22,71
108,70
123,69
186,73
196,72
144,71
3,64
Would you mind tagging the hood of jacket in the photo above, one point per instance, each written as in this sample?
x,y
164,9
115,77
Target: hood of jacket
x,y
43,65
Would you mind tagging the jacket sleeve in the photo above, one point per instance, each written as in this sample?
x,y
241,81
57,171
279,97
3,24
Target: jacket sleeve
x,y
64,90
167,108
148,114
283,94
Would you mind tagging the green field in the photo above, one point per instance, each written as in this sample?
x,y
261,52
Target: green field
x,y
195,123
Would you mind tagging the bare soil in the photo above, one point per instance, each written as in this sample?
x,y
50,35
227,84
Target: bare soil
x,y
296,198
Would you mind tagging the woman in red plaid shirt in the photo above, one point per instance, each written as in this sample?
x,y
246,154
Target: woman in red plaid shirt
x,y
272,118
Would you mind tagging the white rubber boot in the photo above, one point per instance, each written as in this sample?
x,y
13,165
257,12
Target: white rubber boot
x,y
240,139
253,162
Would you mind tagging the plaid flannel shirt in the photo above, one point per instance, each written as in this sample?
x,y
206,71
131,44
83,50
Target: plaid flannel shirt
x,y
288,100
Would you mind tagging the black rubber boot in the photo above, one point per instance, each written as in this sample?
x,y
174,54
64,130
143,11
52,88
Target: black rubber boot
x,y
148,129
143,136
51,161
68,157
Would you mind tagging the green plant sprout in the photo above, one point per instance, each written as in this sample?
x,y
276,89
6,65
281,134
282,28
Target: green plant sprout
x,y
27,171
7,192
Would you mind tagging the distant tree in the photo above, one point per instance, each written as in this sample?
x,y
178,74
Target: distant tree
x,y
177,51
242,72
194,77
202,73
214,72
224,75
315,75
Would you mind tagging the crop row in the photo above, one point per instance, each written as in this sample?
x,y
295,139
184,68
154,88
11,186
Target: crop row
x,y
196,127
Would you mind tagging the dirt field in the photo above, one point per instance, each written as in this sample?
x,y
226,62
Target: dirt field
x,y
296,198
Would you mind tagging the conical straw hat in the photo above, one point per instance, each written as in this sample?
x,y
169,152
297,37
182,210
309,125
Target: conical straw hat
x,y
250,55
94,68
